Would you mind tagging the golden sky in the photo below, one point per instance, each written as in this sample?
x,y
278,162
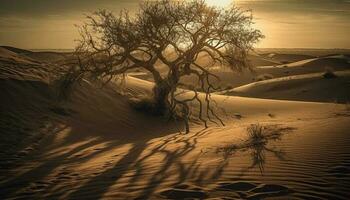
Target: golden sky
x,y
49,24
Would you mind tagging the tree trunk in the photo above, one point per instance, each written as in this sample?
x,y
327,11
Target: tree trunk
x,y
161,94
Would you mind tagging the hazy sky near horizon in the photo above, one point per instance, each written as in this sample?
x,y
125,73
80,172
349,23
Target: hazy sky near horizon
x,y
49,24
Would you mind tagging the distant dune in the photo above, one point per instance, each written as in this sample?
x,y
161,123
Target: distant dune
x,y
309,87
258,60
303,51
286,58
231,79
42,56
329,61
16,50
11,56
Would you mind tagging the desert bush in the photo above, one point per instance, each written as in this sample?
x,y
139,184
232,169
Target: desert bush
x,y
229,87
347,106
263,77
329,73
64,85
144,104
256,133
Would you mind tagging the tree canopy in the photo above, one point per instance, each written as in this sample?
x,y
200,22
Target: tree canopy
x,y
174,34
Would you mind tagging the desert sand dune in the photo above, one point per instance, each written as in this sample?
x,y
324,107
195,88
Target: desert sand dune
x,y
7,56
42,56
284,58
16,50
49,57
308,87
303,51
330,61
229,79
258,60
96,146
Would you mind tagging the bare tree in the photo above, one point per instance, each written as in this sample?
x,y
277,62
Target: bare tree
x,y
174,34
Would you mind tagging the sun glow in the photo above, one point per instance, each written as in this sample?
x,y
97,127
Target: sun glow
x,y
219,3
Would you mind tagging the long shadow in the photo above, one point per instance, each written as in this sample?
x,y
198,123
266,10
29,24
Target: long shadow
x,y
133,160
113,174
38,170
173,158
43,166
38,173
14,186
25,111
95,187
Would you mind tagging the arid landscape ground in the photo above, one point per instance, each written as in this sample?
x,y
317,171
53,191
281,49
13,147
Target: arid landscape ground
x,y
286,133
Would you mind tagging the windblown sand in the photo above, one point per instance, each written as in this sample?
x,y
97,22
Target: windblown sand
x,y
95,146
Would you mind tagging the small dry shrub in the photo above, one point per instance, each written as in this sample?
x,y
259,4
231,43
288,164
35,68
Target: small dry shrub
x,y
347,106
263,77
144,104
229,87
329,73
256,133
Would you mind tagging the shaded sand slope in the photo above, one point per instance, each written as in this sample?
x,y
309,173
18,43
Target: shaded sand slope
x,y
27,103
104,149
15,50
309,87
8,56
25,108
50,57
42,56
18,66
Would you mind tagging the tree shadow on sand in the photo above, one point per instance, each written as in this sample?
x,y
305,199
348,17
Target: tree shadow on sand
x,y
258,147
51,174
52,177
98,127
135,160
28,111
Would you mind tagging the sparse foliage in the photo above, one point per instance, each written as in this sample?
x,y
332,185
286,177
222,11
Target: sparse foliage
x,y
329,73
145,104
263,77
256,133
172,35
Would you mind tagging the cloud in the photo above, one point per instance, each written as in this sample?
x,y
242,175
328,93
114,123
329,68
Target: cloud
x,y
49,23
38,8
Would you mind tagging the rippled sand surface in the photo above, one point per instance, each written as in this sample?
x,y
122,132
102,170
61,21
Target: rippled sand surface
x,y
96,154
98,147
